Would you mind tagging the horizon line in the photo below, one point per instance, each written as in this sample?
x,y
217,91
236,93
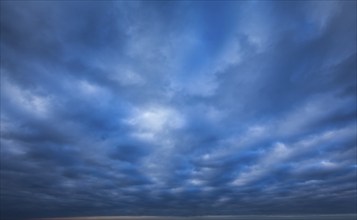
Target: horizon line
x,y
193,216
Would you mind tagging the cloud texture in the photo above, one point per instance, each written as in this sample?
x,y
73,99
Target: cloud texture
x,y
177,108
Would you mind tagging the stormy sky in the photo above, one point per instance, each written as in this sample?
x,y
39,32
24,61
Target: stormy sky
x,y
177,108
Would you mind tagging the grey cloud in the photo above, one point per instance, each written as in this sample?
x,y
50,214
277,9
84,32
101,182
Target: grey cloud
x,y
177,108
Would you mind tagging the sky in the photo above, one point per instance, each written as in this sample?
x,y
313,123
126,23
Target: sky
x,y
177,108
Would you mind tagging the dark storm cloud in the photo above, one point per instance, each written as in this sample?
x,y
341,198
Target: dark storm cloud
x,y
177,108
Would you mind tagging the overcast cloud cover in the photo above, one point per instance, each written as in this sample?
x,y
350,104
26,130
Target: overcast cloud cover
x,y
177,108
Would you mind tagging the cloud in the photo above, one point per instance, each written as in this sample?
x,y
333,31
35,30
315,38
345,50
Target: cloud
x,y
154,121
177,108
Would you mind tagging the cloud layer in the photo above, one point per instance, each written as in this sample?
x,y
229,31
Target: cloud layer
x,y
177,108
